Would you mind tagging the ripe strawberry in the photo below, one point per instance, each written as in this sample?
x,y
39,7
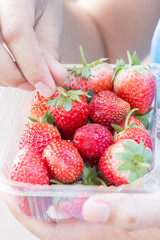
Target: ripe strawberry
x,y
70,208
29,168
70,111
37,108
38,135
106,109
125,161
97,75
91,140
135,134
135,84
134,120
63,161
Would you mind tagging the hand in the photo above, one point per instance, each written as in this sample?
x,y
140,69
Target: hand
x,y
31,30
127,212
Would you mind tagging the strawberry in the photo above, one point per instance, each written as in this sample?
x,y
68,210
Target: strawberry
x,y
134,84
38,106
97,76
38,135
70,111
129,122
63,161
70,207
132,120
125,161
135,134
91,140
106,109
28,168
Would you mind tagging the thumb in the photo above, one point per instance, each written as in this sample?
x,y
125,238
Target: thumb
x,y
125,211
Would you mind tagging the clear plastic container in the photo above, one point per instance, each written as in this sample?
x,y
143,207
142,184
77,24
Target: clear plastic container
x,y
57,202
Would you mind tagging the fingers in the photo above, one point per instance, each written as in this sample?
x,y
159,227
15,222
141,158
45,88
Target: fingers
x,y
10,74
17,18
125,211
48,30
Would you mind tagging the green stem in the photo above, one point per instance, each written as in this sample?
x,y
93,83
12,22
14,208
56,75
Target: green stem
x,y
55,181
129,58
82,56
101,181
63,93
128,116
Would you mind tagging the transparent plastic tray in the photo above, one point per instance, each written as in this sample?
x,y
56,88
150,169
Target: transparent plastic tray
x,y
57,202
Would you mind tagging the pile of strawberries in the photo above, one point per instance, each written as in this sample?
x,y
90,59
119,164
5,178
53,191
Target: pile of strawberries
x,y
87,132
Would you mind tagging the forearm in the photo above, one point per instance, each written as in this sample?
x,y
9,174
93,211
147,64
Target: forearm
x,y
122,25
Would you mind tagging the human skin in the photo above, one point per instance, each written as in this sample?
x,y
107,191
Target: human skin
x,y
100,25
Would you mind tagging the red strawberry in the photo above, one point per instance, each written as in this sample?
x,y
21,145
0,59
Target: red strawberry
x,y
70,111
38,135
131,119
29,168
135,84
37,108
135,134
97,75
70,208
92,140
106,109
125,161
63,161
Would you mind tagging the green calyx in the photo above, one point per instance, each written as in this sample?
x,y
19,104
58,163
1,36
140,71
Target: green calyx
x,y
147,119
137,159
91,177
134,63
46,118
65,99
127,126
85,70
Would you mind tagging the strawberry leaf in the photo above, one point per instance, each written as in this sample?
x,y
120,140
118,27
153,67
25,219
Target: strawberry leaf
x,y
86,72
125,167
131,124
65,88
49,118
90,95
147,155
144,118
120,64
67,104
33,120
124,156
135,60
101,60
117,128
52,101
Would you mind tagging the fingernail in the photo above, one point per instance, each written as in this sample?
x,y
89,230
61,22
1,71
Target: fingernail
x,y
44,89
96,212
